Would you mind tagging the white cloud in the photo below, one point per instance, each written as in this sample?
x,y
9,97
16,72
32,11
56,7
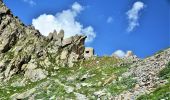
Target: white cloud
x,y
110,19
31,2
65,20
89,32
120,53
77,7
133,15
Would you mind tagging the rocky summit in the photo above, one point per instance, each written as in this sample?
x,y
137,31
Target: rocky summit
x,y
37,67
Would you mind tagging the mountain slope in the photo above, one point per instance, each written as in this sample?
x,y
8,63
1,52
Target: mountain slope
x,y
34,67
101,77
163,91
146,72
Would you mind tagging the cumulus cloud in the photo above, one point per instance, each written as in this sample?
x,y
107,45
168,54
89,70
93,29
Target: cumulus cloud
x,y
110,19
65,20
31,2
133,15
120,53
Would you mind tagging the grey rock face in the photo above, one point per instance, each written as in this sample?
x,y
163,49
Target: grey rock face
x,y
61,34
24,50
67,41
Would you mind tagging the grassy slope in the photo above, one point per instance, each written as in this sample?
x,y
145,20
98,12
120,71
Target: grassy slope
x,y
163,92
103,75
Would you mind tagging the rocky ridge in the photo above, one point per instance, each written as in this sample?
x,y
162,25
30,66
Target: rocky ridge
x,y
24,50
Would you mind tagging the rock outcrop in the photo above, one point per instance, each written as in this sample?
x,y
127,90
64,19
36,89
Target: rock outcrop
x,y
23,50
146,73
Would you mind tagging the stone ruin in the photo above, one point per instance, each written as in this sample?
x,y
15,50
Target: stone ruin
x,y
88,52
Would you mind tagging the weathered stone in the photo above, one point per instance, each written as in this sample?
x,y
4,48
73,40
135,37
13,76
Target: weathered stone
x,y
36,74
31,66
23,95
7,71
55,35
67,41
99,93
61,34
73,57
3,8
64,55
7,41
109,80
86,84
80,96
50,36
69,89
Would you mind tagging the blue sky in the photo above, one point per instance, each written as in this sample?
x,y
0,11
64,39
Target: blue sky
x,y
105,22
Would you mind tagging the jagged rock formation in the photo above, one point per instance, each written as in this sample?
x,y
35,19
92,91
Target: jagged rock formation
x,y
24,50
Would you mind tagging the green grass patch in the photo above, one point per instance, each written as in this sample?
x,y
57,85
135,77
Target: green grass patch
x,y
98,70
7,90
165,73
161,93
121,85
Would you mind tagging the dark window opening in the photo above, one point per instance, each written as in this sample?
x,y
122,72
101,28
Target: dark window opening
x,y
87,51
